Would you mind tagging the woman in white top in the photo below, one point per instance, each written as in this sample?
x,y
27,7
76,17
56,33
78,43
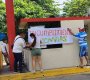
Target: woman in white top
x,y
35,52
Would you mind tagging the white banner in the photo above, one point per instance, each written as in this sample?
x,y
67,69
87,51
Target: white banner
x,y
51,35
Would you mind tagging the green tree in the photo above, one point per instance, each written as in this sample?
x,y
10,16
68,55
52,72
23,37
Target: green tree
x,y
49,6
35,8
2,17
29,9
76,7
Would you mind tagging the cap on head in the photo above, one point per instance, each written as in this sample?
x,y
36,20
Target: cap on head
x,y
81,29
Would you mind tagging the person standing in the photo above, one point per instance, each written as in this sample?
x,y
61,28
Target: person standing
x,y
19,44
83,45
4,50
35,52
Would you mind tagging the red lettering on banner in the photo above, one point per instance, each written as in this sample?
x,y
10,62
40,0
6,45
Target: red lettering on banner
x,y
42,33
59,32
45,32
55,32
50,32
38,33
62,32
67,32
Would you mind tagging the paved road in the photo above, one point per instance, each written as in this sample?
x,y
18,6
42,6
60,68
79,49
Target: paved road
x,y
84,76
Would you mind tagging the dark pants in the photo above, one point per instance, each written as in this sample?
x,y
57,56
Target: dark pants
x,y
18,60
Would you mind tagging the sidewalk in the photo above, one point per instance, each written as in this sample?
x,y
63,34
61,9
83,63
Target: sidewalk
x,y
81,76
46,73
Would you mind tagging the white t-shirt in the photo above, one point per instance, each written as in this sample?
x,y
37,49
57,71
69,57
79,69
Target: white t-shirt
x,y
19,44
37,42
4,47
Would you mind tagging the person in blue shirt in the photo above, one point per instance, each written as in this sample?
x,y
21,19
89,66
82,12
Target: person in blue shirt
x,y
83,45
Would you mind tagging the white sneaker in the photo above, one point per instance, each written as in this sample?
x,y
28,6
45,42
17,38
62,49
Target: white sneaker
x,y
41,70
81,66
33,71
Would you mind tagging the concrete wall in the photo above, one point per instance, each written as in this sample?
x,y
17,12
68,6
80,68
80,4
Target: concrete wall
x,y
88,37
67,56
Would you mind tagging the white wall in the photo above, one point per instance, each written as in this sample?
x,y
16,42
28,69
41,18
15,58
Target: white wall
x,y
67,56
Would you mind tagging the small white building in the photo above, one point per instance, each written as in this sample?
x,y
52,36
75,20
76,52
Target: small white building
x,y
68,54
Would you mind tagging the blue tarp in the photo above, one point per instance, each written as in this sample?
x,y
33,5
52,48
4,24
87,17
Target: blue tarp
x,y
2,35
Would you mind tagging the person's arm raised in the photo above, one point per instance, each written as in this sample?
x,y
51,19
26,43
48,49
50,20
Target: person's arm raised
x,y
70,31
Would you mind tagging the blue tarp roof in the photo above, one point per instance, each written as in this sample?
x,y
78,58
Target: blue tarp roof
x,y
2,35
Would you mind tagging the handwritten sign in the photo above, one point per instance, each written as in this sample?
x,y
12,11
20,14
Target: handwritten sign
x,y
52,35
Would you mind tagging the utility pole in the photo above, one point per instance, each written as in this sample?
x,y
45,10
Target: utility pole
x,y
10,28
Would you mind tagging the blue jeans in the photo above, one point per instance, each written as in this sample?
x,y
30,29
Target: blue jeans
x,y
83,51
18,59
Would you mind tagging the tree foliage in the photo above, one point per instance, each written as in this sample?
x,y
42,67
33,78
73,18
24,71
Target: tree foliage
x,y
2,17
29,9
35,8
76,7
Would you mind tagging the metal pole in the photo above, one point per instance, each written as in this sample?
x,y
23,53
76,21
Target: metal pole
x,y
10,28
